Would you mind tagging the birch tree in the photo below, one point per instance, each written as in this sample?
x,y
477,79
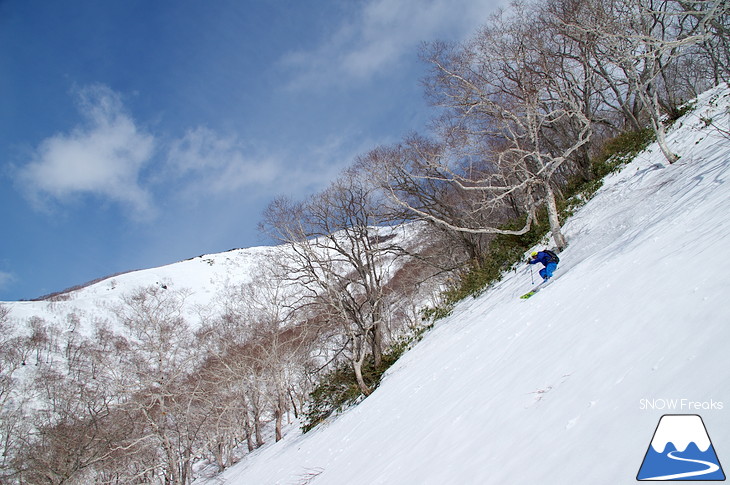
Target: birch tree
x,y
159,365
504,94
637,43
335,250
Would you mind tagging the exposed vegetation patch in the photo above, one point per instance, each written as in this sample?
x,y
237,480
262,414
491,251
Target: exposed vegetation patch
x,y
614,154
337,390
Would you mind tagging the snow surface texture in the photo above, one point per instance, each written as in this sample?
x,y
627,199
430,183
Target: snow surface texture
x,y
554,389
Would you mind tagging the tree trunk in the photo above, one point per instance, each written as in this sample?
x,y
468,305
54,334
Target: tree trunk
x,y
249,435
257,431
293,403
279,416
662,142
357,362
377,344
357,367
585,166
652,102
552,209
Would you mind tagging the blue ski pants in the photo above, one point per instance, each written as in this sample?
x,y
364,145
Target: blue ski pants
x,y
547,271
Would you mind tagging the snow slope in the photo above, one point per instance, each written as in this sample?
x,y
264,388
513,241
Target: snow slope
x,y
568,386
202,279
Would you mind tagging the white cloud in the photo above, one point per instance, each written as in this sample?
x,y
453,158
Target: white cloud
x,y
103,157
217,164
110,157
383,33
106,155
204,163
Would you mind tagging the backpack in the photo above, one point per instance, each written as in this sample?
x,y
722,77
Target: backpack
x,y
553,257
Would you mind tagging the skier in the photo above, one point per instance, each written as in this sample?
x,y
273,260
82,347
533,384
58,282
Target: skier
x,y
549,259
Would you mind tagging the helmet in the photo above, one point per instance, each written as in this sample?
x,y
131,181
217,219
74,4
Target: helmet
x,y
534,254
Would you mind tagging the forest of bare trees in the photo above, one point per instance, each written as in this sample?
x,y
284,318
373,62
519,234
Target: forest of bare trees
x,y
520,110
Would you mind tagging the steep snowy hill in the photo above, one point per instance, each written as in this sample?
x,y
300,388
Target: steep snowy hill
x,y
568,386
203,279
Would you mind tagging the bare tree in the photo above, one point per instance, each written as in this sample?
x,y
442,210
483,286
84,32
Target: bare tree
x,y
637,44
69,431
277,341
715,47
340,255
14,419
505,94
414,175
159,369
256,352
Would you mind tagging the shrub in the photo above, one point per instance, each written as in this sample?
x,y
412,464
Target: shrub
x,y
621,149
337,389
674,113
614,154
504,251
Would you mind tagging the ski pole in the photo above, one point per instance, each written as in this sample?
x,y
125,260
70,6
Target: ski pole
x,y
532,276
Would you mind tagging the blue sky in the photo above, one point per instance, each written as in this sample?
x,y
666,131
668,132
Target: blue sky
x,y
139,133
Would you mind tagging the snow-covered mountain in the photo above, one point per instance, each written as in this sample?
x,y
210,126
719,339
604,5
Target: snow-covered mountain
x,y
202,279
568,386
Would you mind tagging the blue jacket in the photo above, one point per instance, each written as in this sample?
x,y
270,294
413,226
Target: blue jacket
x,y
542,257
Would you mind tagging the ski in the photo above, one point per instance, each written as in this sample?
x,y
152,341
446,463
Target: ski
x,y
535,290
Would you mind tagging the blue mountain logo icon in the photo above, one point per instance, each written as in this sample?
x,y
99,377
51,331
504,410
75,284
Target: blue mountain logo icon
x,y
680,450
